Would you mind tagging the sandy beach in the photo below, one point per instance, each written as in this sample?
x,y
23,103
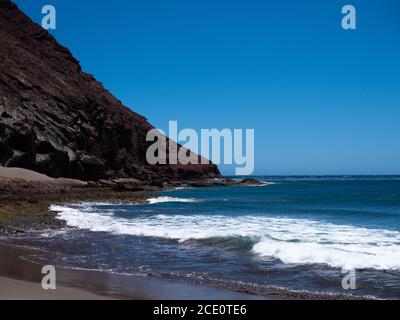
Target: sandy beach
x,y
11,289
21,280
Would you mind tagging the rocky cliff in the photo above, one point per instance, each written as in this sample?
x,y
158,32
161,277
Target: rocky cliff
x,y
60,121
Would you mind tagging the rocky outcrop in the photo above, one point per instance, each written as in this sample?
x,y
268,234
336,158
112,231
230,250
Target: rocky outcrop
x,y
60,121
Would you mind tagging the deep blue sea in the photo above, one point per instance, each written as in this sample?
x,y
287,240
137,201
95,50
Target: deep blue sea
x,y
293,235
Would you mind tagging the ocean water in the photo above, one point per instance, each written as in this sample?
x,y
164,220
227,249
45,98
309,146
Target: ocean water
x,y
293,236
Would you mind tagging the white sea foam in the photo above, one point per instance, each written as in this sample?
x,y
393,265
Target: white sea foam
x,y
264,184
169,199
183,188
293,241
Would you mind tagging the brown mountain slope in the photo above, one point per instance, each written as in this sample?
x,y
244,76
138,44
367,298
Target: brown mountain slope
x,y
58,120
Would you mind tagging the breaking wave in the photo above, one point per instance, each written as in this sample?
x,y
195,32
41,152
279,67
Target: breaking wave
x,y
292,241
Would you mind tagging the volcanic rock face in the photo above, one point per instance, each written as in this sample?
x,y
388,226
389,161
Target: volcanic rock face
x,y
58,120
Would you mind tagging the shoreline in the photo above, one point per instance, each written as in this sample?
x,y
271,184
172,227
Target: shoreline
x,y
21,280
26,196
25,199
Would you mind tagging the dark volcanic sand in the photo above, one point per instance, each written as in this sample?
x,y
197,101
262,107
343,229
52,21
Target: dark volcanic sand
x,y
15,265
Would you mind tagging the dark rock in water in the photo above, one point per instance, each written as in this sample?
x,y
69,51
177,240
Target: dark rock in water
x,y
208,183
250,182
58,120
222,182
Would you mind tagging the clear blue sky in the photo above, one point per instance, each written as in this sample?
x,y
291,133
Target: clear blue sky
x,y
322,100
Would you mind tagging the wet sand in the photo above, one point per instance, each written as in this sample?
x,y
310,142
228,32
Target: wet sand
x,y
11,289
21,280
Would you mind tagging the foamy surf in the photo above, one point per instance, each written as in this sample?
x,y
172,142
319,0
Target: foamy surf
x,y
169,199
292,241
